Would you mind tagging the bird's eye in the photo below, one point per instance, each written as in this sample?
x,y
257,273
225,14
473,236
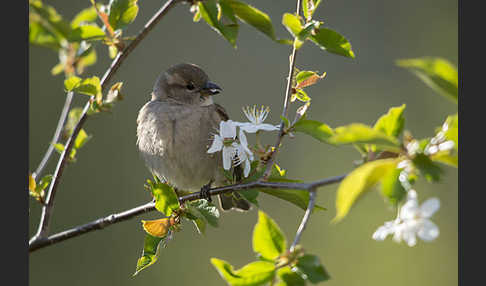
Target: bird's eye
x,y
190,86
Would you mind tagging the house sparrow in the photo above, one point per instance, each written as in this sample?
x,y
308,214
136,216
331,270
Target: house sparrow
x,y
175,129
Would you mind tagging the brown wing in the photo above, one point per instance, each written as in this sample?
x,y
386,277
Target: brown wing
x,y
221,112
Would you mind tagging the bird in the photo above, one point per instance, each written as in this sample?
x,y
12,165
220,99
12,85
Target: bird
x,y
175,129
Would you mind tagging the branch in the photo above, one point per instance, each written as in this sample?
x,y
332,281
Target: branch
x,y
305,219
47,208
148,207
55,138
281,133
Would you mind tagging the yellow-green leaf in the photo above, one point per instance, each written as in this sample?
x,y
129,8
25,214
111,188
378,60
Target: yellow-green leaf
x,y
316,129
358,133
253,274
268,239
359,181
122,13
391,123
253,17
165,198
150,253
437,73
332,42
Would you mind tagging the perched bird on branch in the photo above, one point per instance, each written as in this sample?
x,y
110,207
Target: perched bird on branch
x,y
175,130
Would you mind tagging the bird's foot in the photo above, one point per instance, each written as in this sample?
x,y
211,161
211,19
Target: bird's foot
x,y
204,193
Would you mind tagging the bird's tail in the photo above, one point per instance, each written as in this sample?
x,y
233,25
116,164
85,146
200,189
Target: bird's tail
x,y
234,200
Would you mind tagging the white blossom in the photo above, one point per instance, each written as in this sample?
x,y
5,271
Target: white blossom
x,y
256,118
234,149
412,221
225,141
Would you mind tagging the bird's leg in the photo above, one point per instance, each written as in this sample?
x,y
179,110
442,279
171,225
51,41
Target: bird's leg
x,y
204,193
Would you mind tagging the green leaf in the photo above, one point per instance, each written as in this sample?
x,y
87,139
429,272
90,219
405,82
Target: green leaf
x,y
252,274
268,239
122,13
73,118
358,182
445,158
43,183
87,15
53,21
71,83
87,33
438,73
149,254
252,16
207,210
332,42
311,266
81,139
89,86
316,129
289,277
165,198
391,123
292,23
209,12
364,134
300,95
427,167
41,35
307,78
250,195
299,198
391,187
309,7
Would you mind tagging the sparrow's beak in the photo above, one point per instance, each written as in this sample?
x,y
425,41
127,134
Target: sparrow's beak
x,y
210,89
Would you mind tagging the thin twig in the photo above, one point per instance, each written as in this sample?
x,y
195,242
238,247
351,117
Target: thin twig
x,y
305,219
128,214
55,138
47,208
288,92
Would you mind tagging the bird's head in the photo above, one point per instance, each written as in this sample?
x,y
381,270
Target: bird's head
x,y
185,83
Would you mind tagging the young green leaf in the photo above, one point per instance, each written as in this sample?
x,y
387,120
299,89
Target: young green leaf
x,y
299,198
43,183
364,134
87,33
427,167
446,157
205,210
165,198
40,35
391,187
309,7
252,274
252,16
289,278
359,181
149,254
311,266
71,83
300,95
292,23
81,139
87,15
122,13
209,12
451,129
307,78
268,239
391,123
332,42
51,19
316,129
437,73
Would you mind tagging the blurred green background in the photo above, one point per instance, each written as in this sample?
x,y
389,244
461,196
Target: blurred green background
x,y
109,174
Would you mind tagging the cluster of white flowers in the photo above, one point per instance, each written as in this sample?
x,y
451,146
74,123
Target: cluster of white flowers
x,y
235,148
439,142
412,221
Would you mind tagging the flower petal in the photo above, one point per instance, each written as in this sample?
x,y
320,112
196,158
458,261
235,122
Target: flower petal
x,y
247,168
429,207
429,231
217,144
268,127
248,127
227,129
228,153
409,210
